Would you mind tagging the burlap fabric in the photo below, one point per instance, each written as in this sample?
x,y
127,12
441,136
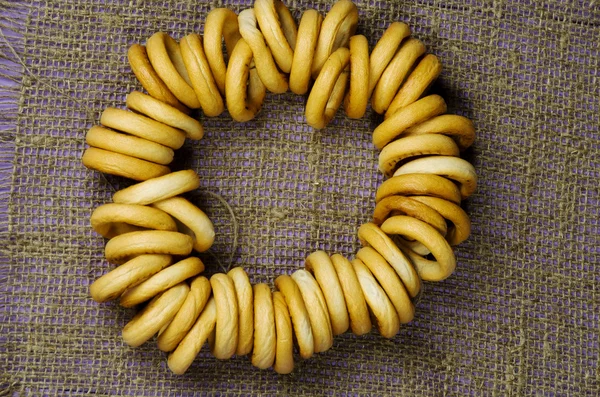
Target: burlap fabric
x,y
519,317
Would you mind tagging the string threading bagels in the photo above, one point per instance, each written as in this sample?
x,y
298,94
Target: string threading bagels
x,y
152,229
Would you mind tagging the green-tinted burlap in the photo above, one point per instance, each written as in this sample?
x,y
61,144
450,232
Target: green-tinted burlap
x,y
520,316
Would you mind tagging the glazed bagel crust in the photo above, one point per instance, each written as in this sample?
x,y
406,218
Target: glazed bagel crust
x,y
393,77
245,90
129,145
418,230
298,313
388,321
162,281
147,76
200,226
406,117
360,321
164,113
320,265
143,127
273,80
271,27
324,99
284,356
419,185
107,217
428,69
411,207
317,309
199,293
128,245
221,23
245,298
412,146
357,98
158,189
453,168
187,350
201,77
226,330
114,283
338,26
154,316
308,34
384,51
265,345
122,165
389,281
371,235
460,223
165,56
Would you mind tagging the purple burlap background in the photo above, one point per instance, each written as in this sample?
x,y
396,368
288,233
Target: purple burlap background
x,y
519,317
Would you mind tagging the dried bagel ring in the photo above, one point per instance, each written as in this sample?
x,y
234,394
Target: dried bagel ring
x,y
385,50
221,23
114,283
319,264
284,356
410,207
388,321
317,309
308,35
165,114
245,299
416,84
324,99
389,281
265,345
418,230
288,23
459,128
105,217
194,303
355,102
124,246
419,185
460,227
360,322
224,343
461,224
415,113
165,56
161,281
113,141
416,145
395,74
143,70
158,189
157,314
143,127
338,26
122,165
271,77
298,313
200,227
270,24
453,168
201,76
187,350
245,90
371,235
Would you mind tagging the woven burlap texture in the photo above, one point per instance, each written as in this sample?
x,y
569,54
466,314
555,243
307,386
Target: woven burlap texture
x,y
519,317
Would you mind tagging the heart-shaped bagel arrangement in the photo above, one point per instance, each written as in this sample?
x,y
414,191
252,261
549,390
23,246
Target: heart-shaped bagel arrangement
x,y
152,230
